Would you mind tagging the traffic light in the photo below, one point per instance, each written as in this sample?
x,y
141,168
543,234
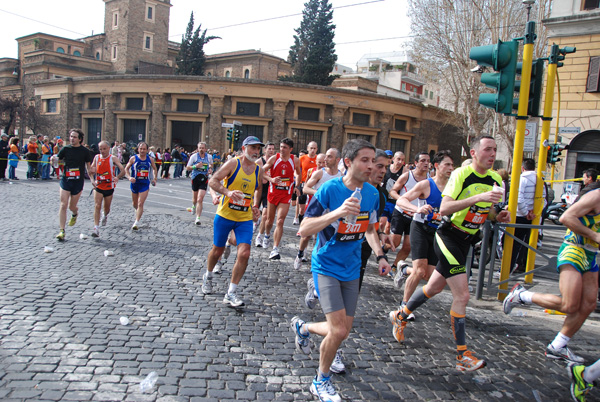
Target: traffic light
x,y
536,87
237,134
555,152
229,133
563,51
502,57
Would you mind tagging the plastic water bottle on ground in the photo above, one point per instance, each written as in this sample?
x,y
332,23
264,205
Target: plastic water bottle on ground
x,y
351,219
124,320
148,382
48,249
83,236
108,253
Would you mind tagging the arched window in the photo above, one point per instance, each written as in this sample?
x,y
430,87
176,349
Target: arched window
x,y
227,74
76,53
60,50
97,55
247,74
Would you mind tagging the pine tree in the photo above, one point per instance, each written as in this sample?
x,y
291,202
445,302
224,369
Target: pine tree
x,y
312,55
191,58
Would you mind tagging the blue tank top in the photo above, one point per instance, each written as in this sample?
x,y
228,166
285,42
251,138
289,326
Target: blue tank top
x,y
141,169
435,200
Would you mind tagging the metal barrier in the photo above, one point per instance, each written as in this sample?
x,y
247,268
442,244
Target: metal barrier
x,y
493,230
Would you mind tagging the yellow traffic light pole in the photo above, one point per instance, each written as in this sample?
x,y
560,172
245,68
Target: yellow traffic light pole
x,y
517,161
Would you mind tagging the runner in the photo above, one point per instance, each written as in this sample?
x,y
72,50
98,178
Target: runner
x,y
105,180
330,171
283,168
307,162
201,166
401,220
138,171
76,158
426,218
237,208
336,258
468,198
262,220
393,172
578,282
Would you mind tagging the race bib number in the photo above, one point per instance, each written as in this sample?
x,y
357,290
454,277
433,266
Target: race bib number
x,y
353,231
242,205
284,185
475,217
103,178
142,174
73,174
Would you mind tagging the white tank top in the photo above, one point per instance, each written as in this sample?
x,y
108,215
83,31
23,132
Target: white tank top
x,y
326,177
410,183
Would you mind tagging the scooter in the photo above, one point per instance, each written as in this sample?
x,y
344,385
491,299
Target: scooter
x,y
555,211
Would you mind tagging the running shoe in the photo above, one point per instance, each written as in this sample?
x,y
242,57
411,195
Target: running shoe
x,y
296,222
297,263
197,221
233,300
217,268
302,341
399,326
103,219
324,390
135,225
274,254
310,300
410,317
468,362
257,223
399,279
304,259
95,232
393,271
61,235
207,287
579,387
563,353
513,298
266,242
72,220
227,252
259,240
337,366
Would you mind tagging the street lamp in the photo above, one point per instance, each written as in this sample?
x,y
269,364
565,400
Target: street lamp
x,y
528,4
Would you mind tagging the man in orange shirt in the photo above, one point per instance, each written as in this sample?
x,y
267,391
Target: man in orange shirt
x,y
307,162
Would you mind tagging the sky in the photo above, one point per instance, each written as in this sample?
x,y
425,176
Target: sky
x,y
362,26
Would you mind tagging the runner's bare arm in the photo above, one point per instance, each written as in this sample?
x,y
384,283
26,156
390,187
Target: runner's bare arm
x,y
394,192
128,169
216,184
450,205
120,166
314,179
588,204
373,240
420,190
154,170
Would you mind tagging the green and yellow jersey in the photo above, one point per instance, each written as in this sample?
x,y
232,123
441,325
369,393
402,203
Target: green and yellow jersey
x,y
465,183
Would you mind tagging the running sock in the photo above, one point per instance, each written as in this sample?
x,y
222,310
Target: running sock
x,y
232,288
304,329
592,373
560,341
526,296
209,274
458,329
300,253
322,376
300,217
418,298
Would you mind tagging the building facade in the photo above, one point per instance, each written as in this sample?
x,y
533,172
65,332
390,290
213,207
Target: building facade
x,y
119,85
577,23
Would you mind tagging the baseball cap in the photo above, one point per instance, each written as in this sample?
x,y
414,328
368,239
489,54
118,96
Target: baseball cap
x,y
389,153
252,141
4,135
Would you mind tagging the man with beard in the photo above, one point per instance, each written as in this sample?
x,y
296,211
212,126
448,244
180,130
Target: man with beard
x,y
238,207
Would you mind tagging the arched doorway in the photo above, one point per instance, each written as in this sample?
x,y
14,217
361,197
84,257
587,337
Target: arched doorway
x,y
584,153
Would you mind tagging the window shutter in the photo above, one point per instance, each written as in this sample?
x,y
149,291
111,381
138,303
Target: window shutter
x,y
593,81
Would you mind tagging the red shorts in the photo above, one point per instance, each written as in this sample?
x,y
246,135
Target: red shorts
x,y
277,197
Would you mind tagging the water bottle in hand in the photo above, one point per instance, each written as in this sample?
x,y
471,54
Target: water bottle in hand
x,y
351,219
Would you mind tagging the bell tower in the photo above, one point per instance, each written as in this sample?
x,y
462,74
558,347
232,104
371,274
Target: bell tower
x,y
136,31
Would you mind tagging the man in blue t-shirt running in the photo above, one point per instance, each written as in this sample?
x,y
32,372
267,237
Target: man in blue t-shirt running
x,y
336,256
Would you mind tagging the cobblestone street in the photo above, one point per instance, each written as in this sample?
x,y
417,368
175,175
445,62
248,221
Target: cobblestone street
x,y
61,338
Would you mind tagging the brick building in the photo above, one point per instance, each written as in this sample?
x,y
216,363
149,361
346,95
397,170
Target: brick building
x,y
120,85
